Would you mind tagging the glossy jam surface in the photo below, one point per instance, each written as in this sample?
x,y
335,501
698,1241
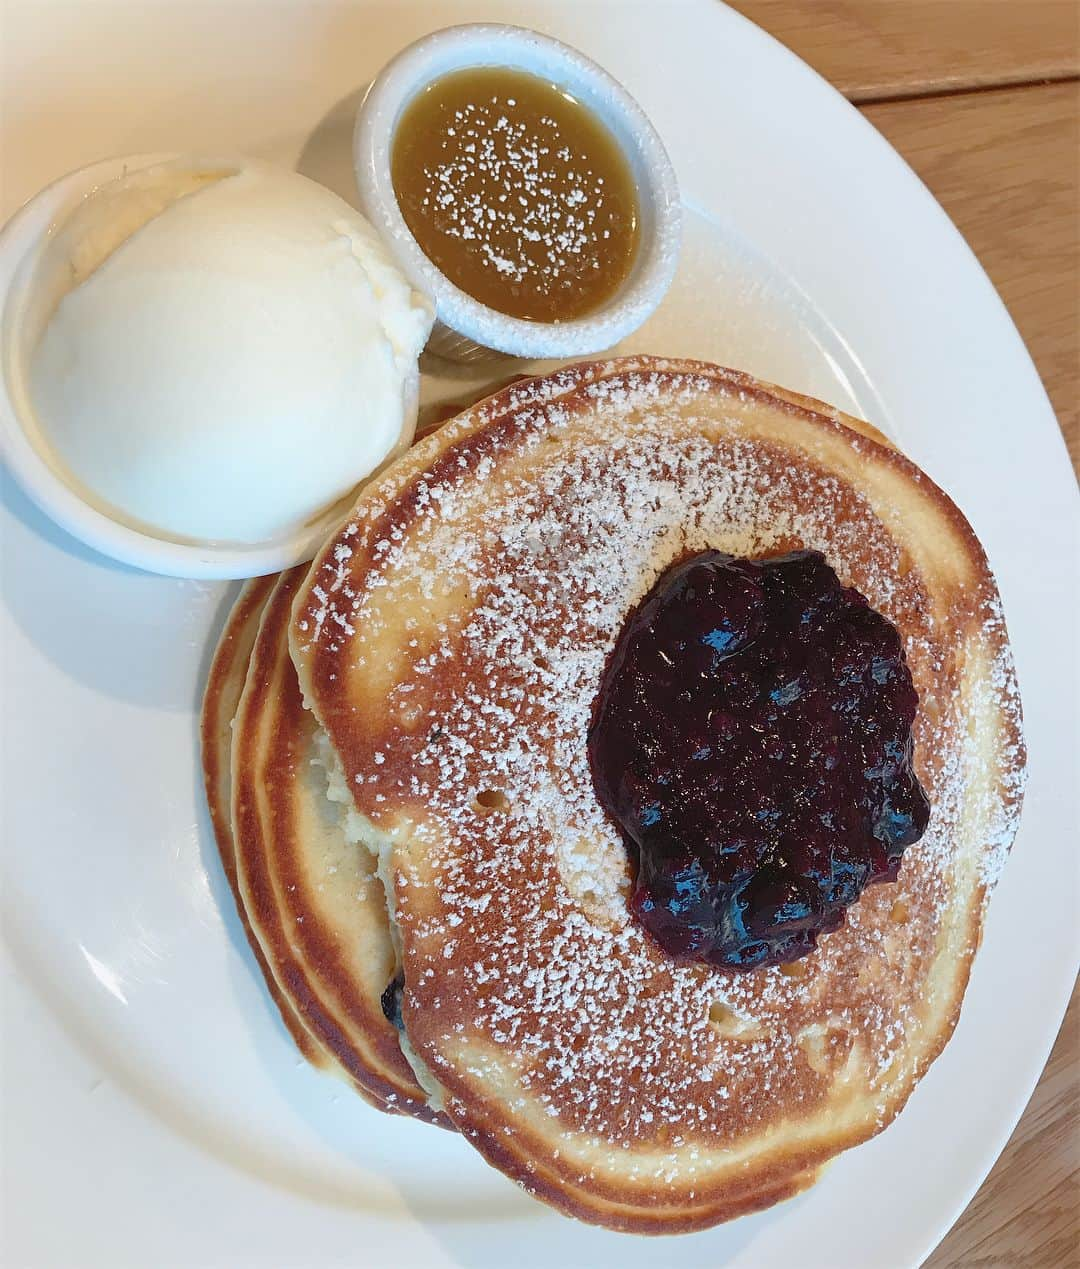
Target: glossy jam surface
x,y
517,192
752,741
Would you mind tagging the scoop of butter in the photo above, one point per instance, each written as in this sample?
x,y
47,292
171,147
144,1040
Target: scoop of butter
x,y
228,351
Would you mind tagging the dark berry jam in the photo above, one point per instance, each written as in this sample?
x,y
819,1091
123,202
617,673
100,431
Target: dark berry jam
x,y
752,740
391,1001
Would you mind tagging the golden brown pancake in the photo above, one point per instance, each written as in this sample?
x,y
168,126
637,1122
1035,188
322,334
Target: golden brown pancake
x,y
451,638
223,688
310,895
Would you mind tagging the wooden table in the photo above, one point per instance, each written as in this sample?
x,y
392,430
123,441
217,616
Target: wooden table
x,y
982,98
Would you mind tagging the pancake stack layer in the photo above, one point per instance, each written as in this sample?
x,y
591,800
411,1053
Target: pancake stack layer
x,y
431,889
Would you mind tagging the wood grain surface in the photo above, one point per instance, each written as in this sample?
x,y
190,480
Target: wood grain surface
x,y
874,49
960,88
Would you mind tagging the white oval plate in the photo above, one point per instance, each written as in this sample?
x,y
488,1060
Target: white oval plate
x,y
155,1112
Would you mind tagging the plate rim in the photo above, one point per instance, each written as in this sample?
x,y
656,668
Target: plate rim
x,y
1064,974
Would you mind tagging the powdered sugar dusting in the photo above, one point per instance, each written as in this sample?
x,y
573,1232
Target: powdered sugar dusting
x,y
513,916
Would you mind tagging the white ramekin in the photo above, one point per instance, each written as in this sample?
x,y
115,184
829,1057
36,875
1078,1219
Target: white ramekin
x,y
465,329
43,477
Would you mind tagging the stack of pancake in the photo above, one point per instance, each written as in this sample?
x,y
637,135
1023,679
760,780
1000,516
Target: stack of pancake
x,y
395,753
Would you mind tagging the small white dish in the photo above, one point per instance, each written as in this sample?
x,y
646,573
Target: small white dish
x,y
44,479
465,329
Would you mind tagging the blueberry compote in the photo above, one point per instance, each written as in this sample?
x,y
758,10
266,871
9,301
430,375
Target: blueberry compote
x,y
752,740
